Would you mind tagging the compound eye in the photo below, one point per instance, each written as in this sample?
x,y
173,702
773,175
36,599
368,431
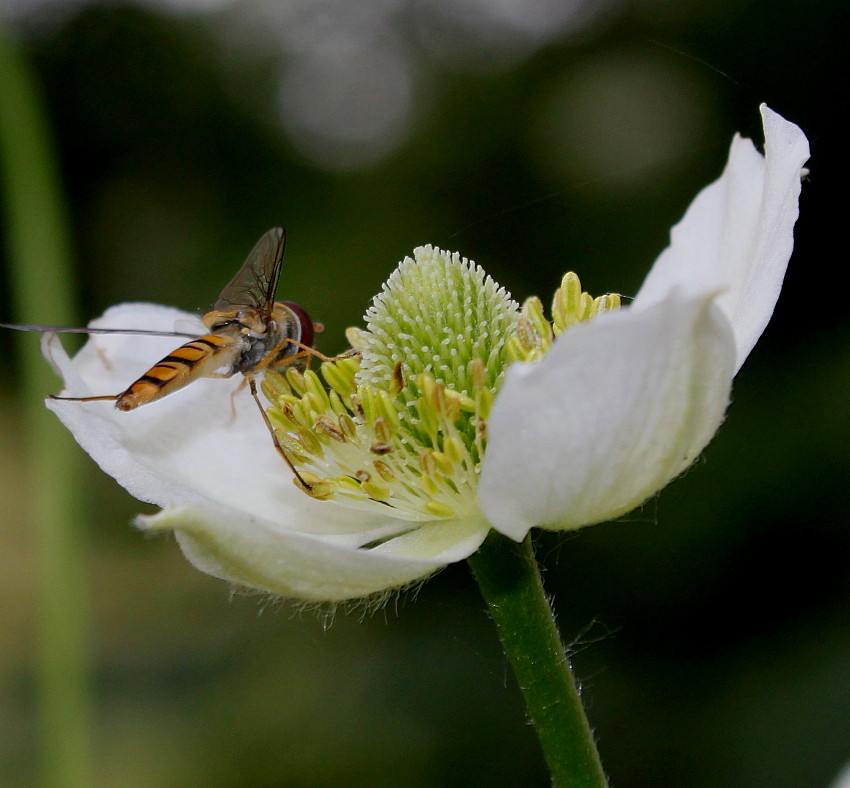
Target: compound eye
x,y
223,324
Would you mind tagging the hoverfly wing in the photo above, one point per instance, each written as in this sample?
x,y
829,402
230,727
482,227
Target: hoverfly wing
x,y
256,281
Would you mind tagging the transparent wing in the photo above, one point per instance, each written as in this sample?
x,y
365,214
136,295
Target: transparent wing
x,y
256,281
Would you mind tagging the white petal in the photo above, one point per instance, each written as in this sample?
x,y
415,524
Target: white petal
x,y
616,409
257,554
737,235
843,779
446,540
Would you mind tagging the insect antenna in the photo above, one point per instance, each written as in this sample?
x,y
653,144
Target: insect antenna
x,y
87,330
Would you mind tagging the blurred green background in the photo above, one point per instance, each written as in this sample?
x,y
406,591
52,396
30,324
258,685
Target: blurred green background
x,y
710,630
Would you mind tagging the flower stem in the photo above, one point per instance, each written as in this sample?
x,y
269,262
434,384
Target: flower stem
x,y
510,582
41,290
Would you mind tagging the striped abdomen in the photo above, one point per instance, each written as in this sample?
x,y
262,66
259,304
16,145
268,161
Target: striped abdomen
x,y
201,357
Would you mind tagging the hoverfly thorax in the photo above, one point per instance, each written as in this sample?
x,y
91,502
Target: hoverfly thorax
x,y
262,339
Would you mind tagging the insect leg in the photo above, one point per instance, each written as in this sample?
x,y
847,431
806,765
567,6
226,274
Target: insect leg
x,y
233,394
306,350
299,479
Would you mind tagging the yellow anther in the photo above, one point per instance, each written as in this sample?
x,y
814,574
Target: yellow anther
x,y
454,449
357,407
571,287
337,405
347,425
606,303
386,410
293,413
313,405
384,471
349,366
514,349
427,463
346,484
295,380
428,421
429,484
526,334
425,384
397,379
383,430
337,379
533,310
585,306
357,338
274,385
477,374
380,447
439,509
309,442
321,490
314,386
314,486
565,304
327,426
464,401
452,409
483,403
366,397
289,399
445,403
443,463
376,490
279,419
436,397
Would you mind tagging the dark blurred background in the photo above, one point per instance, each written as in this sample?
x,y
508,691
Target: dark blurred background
x,y
711,629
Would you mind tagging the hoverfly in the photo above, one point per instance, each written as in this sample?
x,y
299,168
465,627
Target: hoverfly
x,y
248,332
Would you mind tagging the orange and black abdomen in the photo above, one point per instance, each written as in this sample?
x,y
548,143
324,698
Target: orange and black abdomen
x,y
198,358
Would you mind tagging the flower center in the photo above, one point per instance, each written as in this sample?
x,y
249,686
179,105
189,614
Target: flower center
x,y
403,424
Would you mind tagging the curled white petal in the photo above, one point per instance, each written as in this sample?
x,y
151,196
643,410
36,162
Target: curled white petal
x,y
616,409
258,554
737,235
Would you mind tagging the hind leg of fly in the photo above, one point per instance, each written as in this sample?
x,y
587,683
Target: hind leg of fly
x,y
299,479
242,384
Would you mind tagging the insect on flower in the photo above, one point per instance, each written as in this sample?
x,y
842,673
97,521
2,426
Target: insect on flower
x,y
248,332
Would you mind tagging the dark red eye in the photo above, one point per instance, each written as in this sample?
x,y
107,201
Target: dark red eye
x,y
306,325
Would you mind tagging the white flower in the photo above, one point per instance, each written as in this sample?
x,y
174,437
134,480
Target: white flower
x,y
617,408
843,779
